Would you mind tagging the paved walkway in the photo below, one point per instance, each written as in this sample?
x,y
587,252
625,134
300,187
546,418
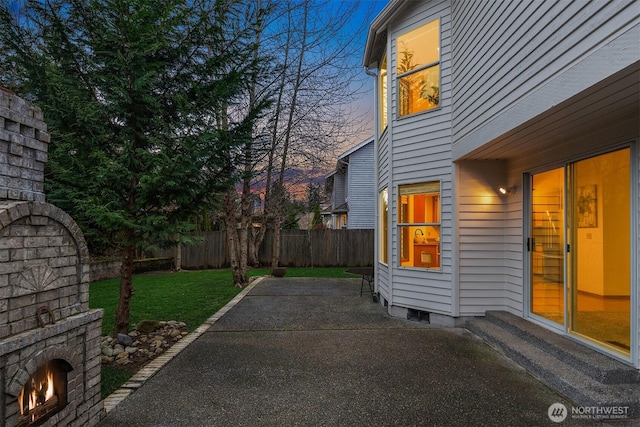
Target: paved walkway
x,y
312,352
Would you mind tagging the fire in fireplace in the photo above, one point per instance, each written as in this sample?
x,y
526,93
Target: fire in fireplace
x,y
44,394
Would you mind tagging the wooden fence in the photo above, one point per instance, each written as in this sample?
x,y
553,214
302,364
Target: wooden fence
x,y
298,248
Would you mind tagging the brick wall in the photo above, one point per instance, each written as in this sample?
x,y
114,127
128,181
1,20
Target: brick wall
x,y
44,278
23,149
42,263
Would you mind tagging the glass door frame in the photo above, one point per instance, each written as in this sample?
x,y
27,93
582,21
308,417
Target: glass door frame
x,y
635,253
564,329
529,242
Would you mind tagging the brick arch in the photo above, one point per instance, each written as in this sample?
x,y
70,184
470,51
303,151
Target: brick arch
x,y
36,213
28,368
15,210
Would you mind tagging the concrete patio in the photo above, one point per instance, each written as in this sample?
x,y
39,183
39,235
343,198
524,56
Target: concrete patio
x,y
313,352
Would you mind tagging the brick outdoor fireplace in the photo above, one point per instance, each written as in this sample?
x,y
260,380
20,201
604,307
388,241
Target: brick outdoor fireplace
x,y
49,339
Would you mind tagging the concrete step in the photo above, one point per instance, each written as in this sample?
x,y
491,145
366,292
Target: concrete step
x,y
525,347
592,363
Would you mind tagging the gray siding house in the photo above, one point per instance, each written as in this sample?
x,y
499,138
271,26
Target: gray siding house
x,y
507,164
352,189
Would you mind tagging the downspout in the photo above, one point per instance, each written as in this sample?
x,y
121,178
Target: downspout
x,y
376,246
369,72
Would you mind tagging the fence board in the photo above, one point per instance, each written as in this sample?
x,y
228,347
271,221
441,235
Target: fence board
x,y
298,248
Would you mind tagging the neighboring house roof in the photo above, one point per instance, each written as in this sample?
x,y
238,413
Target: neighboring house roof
x,y
355,148
330,174
343,208
351,185
343,159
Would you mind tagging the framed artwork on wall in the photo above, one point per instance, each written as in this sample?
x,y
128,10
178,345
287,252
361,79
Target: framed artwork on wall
x,y
587,202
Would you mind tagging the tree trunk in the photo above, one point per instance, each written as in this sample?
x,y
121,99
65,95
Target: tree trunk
x,y
238,269
178,257
126,270
126,290
278,110
245,215
277,212
275,257
253,248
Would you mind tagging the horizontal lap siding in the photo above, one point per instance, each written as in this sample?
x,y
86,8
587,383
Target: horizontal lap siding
x,y
362,197
382,151
515,251
635,164
382,274
421,152
383,161
482,238
420,290
521,47
499,65
382,281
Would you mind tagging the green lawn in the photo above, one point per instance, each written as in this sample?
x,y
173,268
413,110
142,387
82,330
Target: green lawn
x,y
188,296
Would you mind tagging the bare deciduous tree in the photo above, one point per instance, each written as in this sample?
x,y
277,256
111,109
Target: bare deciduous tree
x,y
314,79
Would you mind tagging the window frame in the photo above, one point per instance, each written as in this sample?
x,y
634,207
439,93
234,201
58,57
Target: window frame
x,y
383,227
383,102
421,68
408,225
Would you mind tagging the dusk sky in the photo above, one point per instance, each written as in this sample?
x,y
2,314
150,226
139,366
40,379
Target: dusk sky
x,y
362,105
358,26
367,11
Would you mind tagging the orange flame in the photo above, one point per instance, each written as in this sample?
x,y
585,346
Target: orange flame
x,y
41,391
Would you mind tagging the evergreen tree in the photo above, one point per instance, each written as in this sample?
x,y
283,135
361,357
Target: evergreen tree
x,y
313,195
133,92
291,220
316,222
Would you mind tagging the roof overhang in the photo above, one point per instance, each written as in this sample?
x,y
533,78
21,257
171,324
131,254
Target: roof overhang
x,y
343,208
607,111
377,36
356,148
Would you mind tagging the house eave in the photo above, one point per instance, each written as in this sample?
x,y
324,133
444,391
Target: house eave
x,y
378,27
343,208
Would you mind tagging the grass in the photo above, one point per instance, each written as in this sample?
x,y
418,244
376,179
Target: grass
x,y
112,379
188,296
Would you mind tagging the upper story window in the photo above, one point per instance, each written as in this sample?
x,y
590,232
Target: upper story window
x,y
382,75
418,69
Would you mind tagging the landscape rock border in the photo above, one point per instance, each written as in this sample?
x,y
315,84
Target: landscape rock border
x,y
147,341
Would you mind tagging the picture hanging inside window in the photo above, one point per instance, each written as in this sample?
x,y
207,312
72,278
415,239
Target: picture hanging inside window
x,y
587,206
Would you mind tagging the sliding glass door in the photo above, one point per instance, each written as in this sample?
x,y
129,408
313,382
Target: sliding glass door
x,y
546,245
601,250
580,249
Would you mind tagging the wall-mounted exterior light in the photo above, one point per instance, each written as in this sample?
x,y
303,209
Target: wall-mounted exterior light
x,y
508,190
